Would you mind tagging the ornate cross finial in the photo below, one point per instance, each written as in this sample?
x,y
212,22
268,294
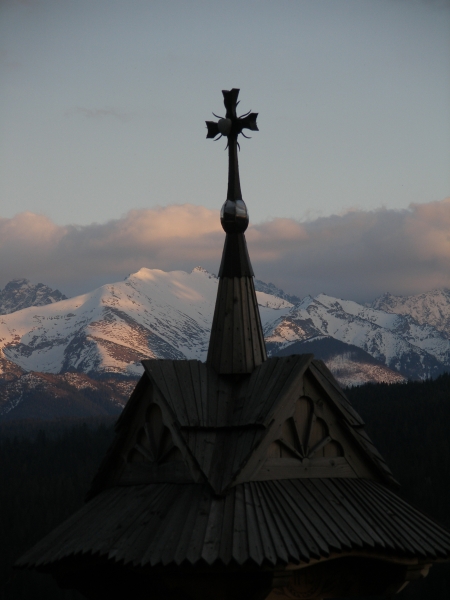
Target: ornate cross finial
x,y
236,346
234,215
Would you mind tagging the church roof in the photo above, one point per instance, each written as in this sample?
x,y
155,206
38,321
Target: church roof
x,y
288,419
191,478
262,523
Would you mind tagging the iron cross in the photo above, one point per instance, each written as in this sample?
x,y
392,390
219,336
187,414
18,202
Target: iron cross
x,y
231,126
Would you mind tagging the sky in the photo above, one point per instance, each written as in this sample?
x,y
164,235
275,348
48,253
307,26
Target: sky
x,y
104,165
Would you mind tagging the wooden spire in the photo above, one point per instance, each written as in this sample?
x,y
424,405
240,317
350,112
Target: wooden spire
x,y
236,345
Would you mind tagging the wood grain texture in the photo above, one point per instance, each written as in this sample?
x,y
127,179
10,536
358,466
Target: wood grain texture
x,y
265,522
236,343
292,468
139,474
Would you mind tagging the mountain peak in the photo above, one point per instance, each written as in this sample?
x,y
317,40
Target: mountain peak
x,y
203,272
144,273
21,293
273,290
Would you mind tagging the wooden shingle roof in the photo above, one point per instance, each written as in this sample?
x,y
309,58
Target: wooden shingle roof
x,y
264,523
199,397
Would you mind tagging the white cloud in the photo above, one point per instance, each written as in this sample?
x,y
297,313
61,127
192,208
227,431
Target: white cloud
x,y
356,255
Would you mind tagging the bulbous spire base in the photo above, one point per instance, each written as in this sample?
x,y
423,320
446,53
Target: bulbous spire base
x,y
234,216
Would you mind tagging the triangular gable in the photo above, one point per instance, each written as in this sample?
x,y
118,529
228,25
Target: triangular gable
x,y
351,421
154,454
219,422
301,444
148,447
315,433
289,419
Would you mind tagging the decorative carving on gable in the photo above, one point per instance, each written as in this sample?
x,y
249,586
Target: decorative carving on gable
x,y
304,436
304,447
154,441
152,456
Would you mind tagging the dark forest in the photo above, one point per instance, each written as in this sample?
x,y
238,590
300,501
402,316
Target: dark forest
x,y
46,468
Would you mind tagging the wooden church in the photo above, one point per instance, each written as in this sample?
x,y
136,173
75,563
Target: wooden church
x,y
244,477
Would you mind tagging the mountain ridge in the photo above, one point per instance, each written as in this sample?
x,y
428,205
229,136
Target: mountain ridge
x,y
416,351
431,308
156,314
151,314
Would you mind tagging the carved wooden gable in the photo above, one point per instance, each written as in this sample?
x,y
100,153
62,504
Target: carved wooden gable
x,y
152,454
288,420
315,434
304,436
310,443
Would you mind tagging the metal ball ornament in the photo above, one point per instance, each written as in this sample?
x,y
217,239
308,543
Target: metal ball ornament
x,y
234,216
224,126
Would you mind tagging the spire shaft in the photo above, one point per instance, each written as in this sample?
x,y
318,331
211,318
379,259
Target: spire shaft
x,y
236,345
234,184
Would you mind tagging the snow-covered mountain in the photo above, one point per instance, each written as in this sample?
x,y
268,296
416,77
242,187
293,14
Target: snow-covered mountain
x,y
21,293
398,341
78,350
430,308
270,288
152,314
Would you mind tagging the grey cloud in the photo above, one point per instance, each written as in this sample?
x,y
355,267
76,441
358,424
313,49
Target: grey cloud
x,y
357,255
362,254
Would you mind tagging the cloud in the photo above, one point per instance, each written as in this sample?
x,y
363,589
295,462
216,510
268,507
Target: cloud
x,y
97,113
362,254
357,255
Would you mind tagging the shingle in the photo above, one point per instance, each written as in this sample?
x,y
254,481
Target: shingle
x,y
271,522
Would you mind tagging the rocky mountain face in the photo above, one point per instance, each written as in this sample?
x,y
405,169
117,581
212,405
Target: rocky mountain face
x,y
431,308
398,341
86,351
20,293
270,288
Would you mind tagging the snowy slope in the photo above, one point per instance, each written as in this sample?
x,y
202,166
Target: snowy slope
x,y
152,314
350,372
398,341
432,308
